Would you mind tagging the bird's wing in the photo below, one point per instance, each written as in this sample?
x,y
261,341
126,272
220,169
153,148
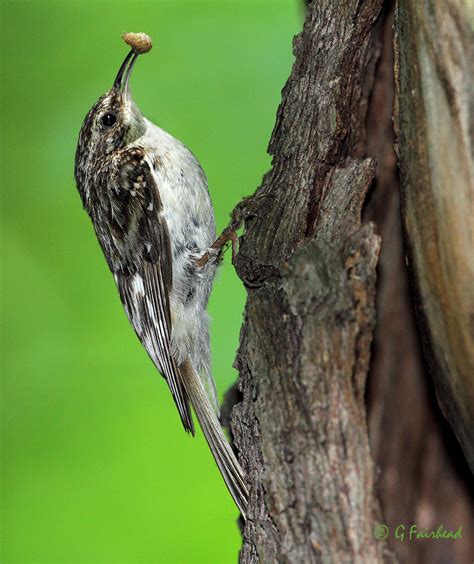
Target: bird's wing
x,y
144,287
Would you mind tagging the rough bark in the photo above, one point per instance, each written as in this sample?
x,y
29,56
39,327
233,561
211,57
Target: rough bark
x,y
423,477
309,267
308,263
433,110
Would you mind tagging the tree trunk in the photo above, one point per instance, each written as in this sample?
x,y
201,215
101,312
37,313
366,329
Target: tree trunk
x,y
309,266
434,51
423,478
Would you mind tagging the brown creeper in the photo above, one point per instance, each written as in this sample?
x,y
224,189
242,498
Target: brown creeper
x,y
148,200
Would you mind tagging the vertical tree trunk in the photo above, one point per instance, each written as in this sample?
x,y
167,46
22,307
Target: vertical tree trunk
x,y
309,266
423,478
434,50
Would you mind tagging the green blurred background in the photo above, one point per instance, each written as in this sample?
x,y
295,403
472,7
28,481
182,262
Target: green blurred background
x,y
95,464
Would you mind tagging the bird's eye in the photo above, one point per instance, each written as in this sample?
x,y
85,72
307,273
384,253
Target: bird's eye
x,y
108,120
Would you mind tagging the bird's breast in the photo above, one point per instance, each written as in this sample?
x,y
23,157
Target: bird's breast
x,y
183,191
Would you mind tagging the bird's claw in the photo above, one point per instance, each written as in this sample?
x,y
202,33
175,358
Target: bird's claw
x,y
215,250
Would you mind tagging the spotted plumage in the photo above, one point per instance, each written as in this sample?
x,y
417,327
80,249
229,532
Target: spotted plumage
x,y
147,197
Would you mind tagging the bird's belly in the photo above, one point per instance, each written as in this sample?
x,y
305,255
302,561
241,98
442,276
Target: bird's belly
x,y
187,210
191,285
189,216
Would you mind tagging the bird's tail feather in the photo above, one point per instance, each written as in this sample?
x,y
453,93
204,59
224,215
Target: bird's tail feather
x,y
225,458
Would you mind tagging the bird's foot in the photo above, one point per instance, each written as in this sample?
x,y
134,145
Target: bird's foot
x,y
229,234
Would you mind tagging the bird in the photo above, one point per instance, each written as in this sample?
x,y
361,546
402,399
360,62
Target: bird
x,y
148,199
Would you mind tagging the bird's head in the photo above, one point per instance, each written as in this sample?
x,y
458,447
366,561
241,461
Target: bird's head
x,y
113,122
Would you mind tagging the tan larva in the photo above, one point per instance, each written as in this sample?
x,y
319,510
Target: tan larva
x,y
139,42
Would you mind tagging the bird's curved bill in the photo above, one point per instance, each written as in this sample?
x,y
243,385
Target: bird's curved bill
x,y
123,75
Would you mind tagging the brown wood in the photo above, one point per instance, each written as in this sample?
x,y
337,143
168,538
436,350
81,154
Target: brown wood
x,y
433,112
309,267
423,477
